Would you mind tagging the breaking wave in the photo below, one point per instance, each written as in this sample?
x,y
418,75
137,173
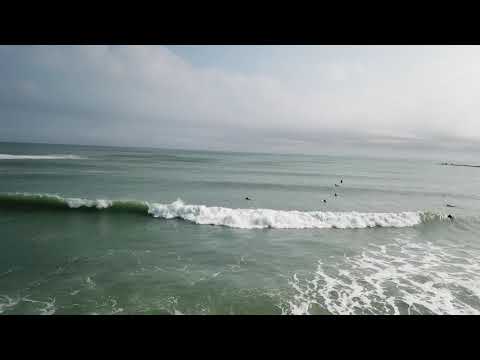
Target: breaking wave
x,y
235,218
278,219
39,157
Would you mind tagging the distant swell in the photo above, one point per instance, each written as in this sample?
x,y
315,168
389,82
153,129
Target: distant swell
x,y
453,164
235,218
39,157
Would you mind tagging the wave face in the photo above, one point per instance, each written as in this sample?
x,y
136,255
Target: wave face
x,y
55,201
235,218
39,157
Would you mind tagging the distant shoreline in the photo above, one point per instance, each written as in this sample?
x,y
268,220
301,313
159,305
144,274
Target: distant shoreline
x,y
453,164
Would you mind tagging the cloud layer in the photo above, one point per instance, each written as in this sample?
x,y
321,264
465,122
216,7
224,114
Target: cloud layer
x,y
151,95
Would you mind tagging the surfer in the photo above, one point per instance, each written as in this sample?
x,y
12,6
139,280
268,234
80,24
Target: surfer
x,y
324,200
341,181
450,216
247,198
336,194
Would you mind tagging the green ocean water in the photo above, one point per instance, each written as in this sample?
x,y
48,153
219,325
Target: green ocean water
x,y
103,230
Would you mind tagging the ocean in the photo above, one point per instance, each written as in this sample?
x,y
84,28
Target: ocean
x,y
110,230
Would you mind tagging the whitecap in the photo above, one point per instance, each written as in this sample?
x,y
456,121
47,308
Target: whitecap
x,y
39,157
280,219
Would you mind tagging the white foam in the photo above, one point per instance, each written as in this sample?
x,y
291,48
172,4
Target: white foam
x,y
399,278
90,283
278,219
75,203
6,303
49,306
115,309
39,157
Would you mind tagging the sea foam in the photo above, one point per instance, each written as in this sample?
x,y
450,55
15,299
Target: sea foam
x,y
402,277
98,203
279,219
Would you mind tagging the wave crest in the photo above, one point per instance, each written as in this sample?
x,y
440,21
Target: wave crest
x,y
39,157
278,219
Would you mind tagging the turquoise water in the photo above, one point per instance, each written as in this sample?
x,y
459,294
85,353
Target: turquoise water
x,y
98,230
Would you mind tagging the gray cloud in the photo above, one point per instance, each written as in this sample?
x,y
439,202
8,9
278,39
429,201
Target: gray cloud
x,y
149,95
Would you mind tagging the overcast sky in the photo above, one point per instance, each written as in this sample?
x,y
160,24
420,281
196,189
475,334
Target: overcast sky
x,y
285,98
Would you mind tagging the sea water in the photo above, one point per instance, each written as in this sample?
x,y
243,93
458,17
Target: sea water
x,y
104,230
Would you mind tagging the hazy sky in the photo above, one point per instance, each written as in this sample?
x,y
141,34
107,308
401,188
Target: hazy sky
x,y
285,98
